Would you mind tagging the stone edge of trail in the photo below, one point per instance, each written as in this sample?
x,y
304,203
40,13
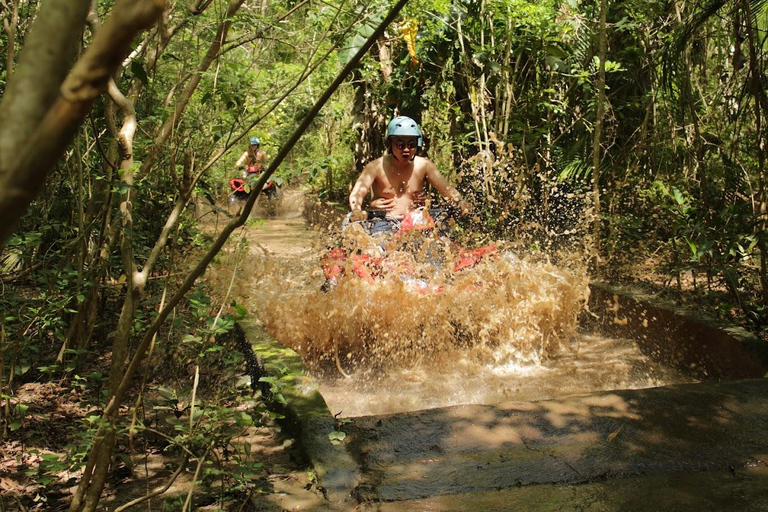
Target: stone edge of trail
x,y
307,416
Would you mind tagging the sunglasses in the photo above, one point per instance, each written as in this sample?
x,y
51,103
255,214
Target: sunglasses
x,y
401,144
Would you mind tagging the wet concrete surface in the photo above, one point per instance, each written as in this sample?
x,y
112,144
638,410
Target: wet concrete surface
x,y
686,447
626,450
715,491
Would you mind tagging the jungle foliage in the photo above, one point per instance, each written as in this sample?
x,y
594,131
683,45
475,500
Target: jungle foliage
x,y
507,93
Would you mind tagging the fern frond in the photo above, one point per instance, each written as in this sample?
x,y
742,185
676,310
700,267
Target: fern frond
x,y
672,54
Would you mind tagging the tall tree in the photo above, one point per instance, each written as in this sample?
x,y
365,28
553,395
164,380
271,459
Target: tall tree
x,y
598,134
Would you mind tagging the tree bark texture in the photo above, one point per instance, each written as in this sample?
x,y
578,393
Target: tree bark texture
x,y
50,49
43,123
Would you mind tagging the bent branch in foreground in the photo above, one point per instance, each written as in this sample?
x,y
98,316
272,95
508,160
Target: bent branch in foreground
x,y
23,174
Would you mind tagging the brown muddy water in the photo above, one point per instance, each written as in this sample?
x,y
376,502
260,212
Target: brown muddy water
x,y
504,330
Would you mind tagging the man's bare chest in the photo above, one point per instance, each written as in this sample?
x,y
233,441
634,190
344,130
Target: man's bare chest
x,y
397,182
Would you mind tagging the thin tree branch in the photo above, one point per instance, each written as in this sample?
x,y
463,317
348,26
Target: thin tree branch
x,y
306,72
157,492
170,124
294,9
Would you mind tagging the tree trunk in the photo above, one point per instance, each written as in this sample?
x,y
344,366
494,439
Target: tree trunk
x,y
37,119
368,122
757,88
598,134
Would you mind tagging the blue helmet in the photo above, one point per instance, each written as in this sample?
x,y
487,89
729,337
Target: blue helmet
x,y
255,141
404,127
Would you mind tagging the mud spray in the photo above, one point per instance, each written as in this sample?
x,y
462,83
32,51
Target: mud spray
x,y
421,334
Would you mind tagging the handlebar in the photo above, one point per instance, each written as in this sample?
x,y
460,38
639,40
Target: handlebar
x,y
442,211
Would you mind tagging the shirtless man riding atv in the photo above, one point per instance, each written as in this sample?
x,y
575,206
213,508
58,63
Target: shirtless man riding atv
x,y
397,178
397,181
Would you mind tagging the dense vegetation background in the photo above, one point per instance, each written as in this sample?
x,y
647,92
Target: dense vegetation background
x,y
636,127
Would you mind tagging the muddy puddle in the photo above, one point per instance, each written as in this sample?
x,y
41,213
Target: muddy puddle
x,y
505,329
588,363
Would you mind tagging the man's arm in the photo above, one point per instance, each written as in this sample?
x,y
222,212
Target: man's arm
x,y
441,184
361,188
241,161
446,189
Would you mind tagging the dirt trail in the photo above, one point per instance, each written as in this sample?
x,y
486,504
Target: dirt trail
x,y
287,234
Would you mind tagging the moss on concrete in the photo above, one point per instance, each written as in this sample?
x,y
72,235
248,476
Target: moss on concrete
x,y
307,417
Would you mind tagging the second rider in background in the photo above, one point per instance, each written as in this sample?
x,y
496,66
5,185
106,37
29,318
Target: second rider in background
x,y
253,159
253,162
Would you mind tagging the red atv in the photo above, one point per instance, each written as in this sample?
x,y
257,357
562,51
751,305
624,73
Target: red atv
x,y
412,249
241,187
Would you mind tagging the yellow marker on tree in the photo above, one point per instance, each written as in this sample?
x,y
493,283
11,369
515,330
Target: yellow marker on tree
x,y
409,30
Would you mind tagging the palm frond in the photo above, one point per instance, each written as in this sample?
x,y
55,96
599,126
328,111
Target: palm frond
x,y
756,8
672,55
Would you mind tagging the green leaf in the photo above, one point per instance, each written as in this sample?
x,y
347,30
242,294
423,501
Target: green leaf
x,y
692,246
77,351
337,437
93,418
679,198
354,43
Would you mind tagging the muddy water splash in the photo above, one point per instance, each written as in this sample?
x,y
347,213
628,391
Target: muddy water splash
x,y
419,312
422,336
505,310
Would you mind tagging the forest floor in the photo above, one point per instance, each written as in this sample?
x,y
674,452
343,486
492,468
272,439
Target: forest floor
x,y
267,475
281,482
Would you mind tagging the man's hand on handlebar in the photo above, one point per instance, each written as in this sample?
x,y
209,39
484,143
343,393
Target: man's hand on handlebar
x,y
382,203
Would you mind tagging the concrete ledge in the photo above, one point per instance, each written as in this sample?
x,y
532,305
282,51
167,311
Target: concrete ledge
x,y
616,442
682,338
307,417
